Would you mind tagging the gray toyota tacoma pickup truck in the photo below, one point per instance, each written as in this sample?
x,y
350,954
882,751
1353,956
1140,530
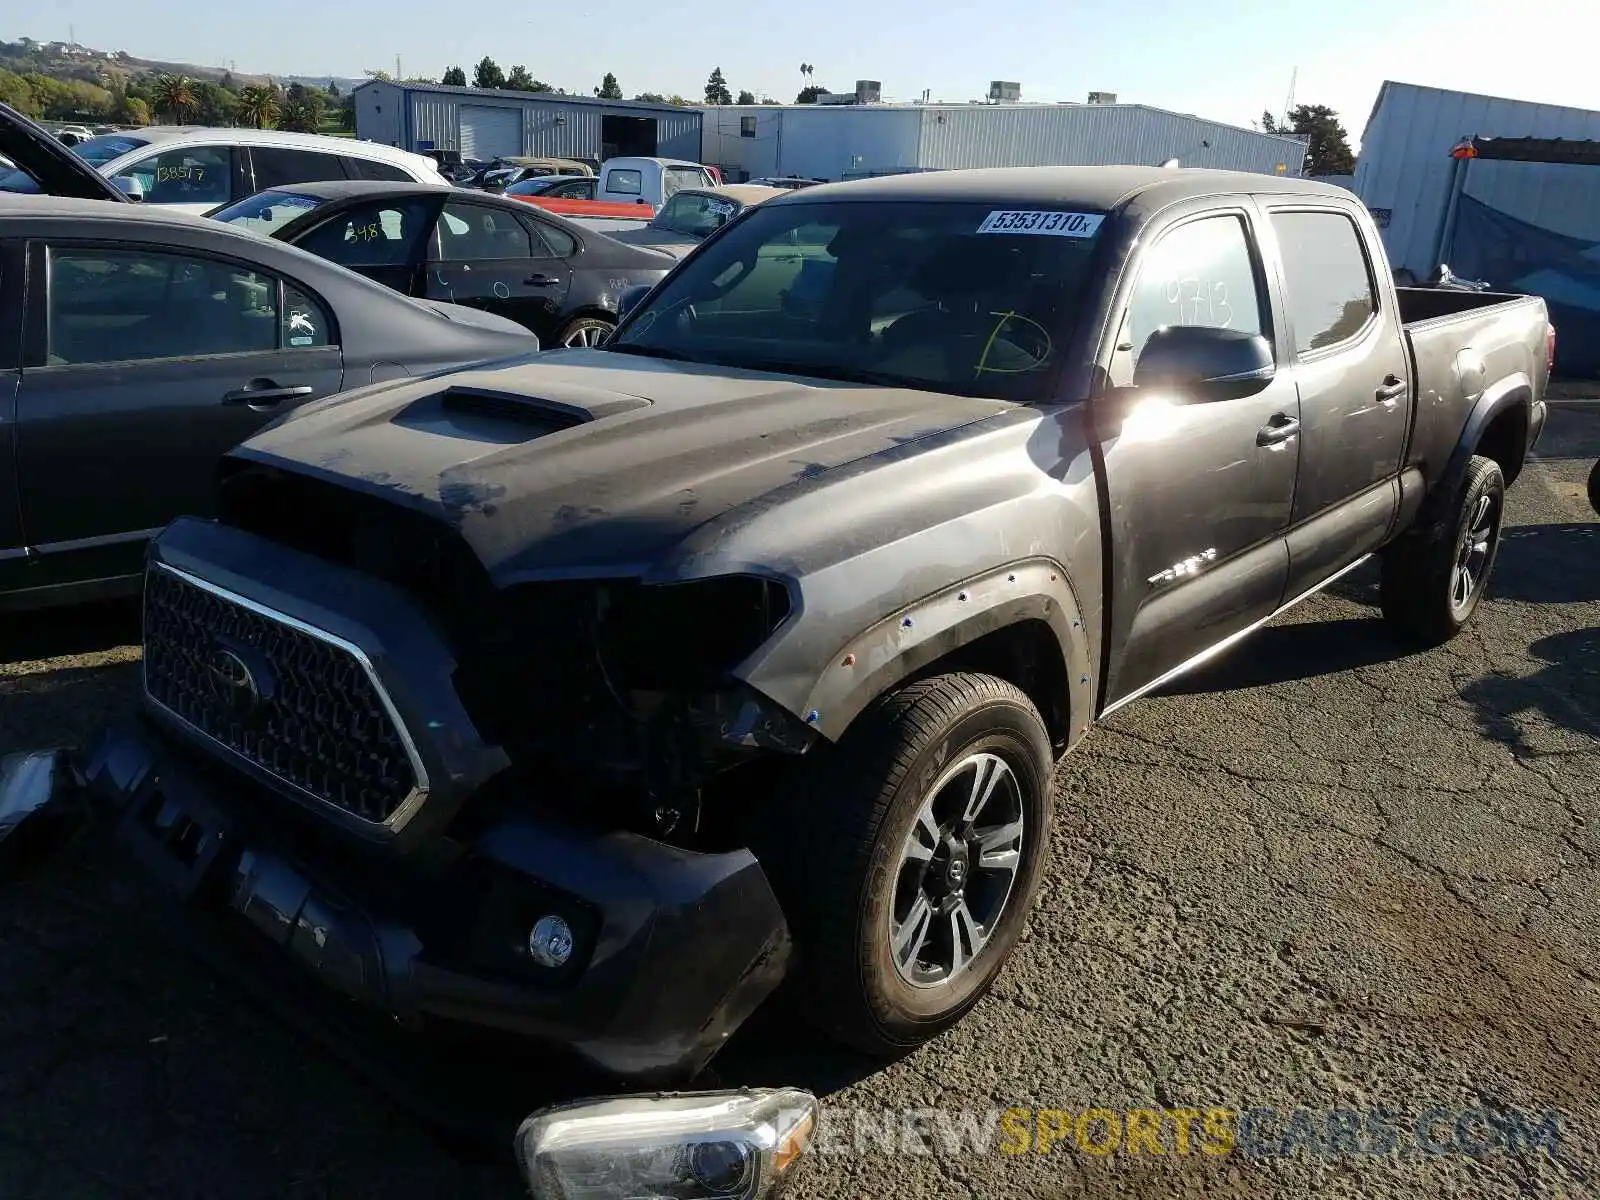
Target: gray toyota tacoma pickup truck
x,y
592,696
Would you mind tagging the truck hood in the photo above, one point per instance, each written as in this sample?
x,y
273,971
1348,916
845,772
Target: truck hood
x,y
57,169
583,462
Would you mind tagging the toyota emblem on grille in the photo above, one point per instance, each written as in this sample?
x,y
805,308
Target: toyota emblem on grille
x,y
232,683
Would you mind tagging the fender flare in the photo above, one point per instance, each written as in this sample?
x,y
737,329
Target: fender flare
x,y
905,642
1515,390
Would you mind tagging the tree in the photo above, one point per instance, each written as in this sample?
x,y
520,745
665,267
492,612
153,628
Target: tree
x,y
520,81
651,98
303,108
808,95
747,97
14,90
260,106
454,77
130,110
333,88
1269,124
347,112
214,104
1328,146
609,89
679,102
717,88
173,96
487,74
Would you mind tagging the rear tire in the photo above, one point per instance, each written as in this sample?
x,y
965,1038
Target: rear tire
x,y
1594,487
903,899
584,332
1435,576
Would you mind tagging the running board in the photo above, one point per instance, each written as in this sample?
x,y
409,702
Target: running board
x,y
1230,641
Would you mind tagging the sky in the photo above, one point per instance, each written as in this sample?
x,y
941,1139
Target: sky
x,y
1226,60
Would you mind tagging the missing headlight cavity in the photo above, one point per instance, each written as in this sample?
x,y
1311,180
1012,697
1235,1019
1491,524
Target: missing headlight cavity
x,y
629,686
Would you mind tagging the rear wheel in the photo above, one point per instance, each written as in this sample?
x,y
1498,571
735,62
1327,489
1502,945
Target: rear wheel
x,y
584,331
1434,577
907,857
1594,487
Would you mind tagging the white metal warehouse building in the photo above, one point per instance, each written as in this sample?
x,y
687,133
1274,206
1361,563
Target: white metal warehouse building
x,y
490,124
844,141
1405,171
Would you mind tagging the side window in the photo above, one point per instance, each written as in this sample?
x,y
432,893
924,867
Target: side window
x,y
366,168
276,166
625,180
551,242
306,324
123,305
1327,283
370,235
581,189
196,175
1200,273
470,232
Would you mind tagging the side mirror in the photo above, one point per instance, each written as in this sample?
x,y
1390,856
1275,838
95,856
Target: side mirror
x,y
1205,362
632,297
129,186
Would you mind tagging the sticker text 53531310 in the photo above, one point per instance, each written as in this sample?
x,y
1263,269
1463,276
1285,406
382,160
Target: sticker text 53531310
x,y
1049,224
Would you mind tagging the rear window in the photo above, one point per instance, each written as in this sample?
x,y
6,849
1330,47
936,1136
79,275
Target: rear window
x,y
98,151
625,180
960,298
366,168
266,212
674,178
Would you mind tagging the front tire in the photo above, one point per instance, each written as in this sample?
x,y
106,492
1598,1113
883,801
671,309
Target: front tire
x,y
1434,577
907,857
582,332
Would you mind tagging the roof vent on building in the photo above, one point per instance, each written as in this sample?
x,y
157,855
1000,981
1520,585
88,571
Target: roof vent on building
x,y
868,91
1001,92
1102,97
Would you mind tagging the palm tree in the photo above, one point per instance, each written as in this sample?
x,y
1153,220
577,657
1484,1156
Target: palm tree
x,y
259,106
173,96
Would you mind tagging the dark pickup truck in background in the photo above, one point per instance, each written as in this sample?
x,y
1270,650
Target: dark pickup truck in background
x,y
592,697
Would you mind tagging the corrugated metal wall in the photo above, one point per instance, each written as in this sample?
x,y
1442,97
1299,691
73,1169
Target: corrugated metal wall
x,y
835,141
1406,168
815,142
1002,135
550,127
380,113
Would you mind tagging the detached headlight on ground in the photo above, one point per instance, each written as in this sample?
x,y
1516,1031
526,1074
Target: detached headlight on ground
x,y
691,1146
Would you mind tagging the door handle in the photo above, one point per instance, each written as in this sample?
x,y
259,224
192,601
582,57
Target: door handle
x,y
541,281
1281,428
1393,388
264,397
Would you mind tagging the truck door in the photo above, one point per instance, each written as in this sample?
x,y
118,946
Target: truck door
x,y
1200,492
1353,377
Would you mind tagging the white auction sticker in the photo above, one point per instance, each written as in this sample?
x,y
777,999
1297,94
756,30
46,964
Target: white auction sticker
x,y
1049,224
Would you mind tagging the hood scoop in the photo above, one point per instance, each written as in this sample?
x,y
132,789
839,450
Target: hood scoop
x,y
496,414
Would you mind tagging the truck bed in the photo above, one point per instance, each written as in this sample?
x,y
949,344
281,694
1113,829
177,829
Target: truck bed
x,y
1463,345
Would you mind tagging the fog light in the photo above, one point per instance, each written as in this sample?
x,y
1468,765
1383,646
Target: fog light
x,y
550,942
694,1146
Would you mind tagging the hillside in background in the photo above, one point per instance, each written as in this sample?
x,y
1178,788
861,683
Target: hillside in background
x,y
59,60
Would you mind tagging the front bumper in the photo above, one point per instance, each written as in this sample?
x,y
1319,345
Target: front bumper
x,y
675,949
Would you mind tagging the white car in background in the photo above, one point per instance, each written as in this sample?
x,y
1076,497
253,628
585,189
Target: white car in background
x,y
194,169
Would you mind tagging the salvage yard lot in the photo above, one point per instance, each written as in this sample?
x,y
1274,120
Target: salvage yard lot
x,y
1326,873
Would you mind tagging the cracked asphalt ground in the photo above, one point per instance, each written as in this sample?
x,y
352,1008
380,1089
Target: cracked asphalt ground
x,y
1328,872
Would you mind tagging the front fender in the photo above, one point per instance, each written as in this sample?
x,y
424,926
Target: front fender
x,y
907,641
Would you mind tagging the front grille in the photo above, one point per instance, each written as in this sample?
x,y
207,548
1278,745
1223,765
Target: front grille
x,y
301,707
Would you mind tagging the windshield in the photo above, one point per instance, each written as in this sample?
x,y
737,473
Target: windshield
x,y
694,214
98,151
958,298
267,211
